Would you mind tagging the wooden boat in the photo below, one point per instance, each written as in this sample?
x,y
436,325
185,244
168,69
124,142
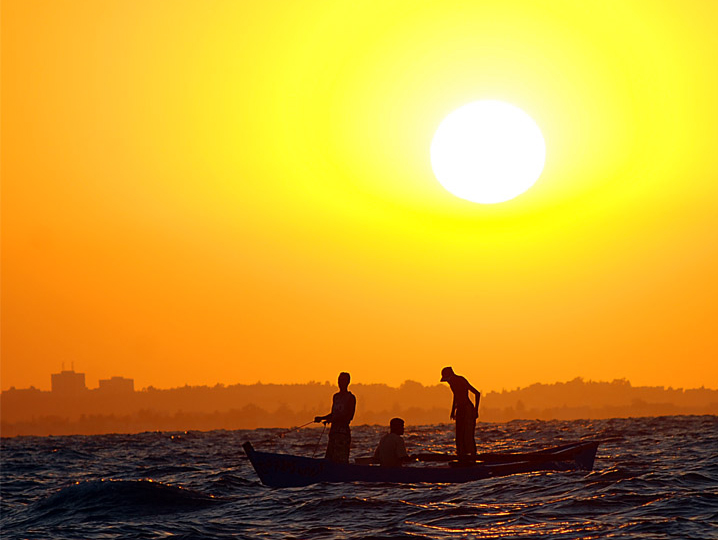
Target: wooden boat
x,y
286,470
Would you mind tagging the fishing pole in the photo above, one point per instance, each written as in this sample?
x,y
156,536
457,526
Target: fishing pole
x,y
283,433
290,430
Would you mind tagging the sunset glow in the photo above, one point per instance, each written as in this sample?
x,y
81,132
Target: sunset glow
x,y
232,192
488,152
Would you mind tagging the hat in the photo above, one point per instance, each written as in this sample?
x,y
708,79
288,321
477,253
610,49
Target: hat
x,y
446,373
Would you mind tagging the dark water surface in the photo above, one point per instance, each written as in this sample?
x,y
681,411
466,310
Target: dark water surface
x,y
653,478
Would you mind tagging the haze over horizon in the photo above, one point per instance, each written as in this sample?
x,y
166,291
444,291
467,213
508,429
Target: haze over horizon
x,y
92,382
236,192
71,408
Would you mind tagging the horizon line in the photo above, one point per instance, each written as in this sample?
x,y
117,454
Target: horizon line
x,y
360,383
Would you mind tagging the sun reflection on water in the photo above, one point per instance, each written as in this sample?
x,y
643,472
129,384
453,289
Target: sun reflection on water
x,y
515,530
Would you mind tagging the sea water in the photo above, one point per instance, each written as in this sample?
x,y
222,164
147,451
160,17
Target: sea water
x,y
653,478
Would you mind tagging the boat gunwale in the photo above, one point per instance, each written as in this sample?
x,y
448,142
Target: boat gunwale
x,y
289,470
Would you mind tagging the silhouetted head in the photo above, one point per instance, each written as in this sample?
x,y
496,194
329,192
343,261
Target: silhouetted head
x,y
343,380
397,426
446,373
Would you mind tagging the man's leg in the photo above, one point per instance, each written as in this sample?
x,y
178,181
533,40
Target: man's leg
x,y
460,435
331,447
338,447
344,447
471,435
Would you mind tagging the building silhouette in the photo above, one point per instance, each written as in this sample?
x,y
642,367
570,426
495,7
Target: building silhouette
x,y
117,385
71,409
68,382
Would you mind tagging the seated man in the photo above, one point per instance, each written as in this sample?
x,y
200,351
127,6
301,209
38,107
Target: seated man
x,y
391,451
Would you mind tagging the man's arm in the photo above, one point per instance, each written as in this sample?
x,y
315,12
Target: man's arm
x,y
477,397
401,453
325,418
452,416
353,408
401,449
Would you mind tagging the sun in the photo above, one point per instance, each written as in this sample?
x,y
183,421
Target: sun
x,y
488,152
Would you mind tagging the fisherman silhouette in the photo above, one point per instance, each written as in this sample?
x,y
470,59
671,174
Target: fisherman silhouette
x,y
463,411
391,451
343,407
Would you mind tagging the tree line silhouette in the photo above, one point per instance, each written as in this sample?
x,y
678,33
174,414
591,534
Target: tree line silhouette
x,y
35,412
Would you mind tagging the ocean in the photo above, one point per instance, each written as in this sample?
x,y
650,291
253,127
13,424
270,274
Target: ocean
x,y
653,478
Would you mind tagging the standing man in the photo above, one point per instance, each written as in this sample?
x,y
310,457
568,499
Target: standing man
x,y
340,436
463,411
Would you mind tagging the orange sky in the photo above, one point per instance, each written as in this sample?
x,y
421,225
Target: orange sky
x,y
201,192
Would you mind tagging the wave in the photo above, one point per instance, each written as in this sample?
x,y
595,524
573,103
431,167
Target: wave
x,y
113,493
648,482
108,499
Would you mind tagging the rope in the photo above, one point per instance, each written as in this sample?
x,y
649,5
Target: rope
x,y
319,440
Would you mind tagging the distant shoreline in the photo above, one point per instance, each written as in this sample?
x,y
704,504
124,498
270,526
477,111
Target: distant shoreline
x,y
36,412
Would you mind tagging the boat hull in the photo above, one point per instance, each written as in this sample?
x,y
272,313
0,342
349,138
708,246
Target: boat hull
x,y
285,470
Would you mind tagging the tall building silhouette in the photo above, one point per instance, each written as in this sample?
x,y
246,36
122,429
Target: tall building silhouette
x,y
68,382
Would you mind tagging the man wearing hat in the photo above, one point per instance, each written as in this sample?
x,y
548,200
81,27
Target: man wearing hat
x,y
463,411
